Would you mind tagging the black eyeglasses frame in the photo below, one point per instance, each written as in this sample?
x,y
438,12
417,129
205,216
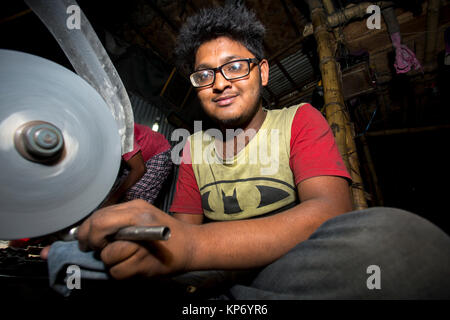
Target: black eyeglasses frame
x,y
219,68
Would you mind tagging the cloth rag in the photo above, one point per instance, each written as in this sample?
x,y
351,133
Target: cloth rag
x,y
63,254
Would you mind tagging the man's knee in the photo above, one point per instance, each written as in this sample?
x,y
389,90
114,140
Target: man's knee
x,y
382,223
387,232
412,254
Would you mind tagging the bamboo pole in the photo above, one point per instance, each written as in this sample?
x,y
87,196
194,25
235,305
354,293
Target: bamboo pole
x,y
342,17
382,92
356,11
334,102
390,132
329,7
431,39
186,97
167,82
372,171
15,16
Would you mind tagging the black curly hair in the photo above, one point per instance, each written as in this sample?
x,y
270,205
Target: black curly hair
x,y
231,20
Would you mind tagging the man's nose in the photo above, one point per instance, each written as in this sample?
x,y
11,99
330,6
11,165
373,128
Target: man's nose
x,y
221,83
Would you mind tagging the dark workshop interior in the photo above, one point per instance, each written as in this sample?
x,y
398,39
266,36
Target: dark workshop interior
x,y
399,121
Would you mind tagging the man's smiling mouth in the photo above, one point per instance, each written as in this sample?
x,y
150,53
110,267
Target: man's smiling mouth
x,y
225,100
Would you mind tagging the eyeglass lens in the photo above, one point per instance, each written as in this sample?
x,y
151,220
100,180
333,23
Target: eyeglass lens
x,y
231,70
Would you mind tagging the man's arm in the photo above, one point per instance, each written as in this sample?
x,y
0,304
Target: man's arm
x,y
257,242
137,170
217,245
189,218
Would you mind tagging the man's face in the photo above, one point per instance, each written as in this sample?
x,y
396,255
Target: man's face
x,y
231,103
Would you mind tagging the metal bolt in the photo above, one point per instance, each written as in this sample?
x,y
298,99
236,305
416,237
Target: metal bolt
x,y
39,141
43,140
46,138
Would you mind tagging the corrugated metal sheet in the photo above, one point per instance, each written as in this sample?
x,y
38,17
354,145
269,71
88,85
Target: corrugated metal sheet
x,y
147,114
277,81
299,68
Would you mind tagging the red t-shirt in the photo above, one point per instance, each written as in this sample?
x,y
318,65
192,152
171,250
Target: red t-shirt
x,y
313,152
149,142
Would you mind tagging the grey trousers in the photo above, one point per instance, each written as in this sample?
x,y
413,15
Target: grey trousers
x,y
377,253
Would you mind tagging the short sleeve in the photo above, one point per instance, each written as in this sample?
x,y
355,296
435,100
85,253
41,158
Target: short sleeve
x,y
187,198
129,155
314,151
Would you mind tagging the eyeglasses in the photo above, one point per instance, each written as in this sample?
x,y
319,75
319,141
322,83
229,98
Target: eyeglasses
x,y
231,70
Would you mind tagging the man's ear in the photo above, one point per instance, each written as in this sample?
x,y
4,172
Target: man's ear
x,y
264,69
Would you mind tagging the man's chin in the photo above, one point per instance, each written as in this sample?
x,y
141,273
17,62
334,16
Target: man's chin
x,y
234,122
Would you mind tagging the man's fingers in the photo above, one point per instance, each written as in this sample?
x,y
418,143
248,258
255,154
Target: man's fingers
x,y
118,251
44,252
82,235
93,232
140,263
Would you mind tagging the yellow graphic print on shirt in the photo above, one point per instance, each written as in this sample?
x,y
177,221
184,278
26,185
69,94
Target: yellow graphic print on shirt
x,y
258,180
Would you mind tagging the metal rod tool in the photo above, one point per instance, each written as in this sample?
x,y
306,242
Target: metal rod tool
x,y
144,233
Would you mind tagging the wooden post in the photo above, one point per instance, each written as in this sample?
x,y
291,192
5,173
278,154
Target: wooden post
x,y
359,10
186,97
381,93
390,132
335,111
15,16
373,173
432,35
167,82
329,7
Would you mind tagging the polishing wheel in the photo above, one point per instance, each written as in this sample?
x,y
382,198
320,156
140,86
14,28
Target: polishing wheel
x,y
60,148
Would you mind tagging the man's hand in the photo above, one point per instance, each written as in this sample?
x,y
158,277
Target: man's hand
x,y
137,167
126,258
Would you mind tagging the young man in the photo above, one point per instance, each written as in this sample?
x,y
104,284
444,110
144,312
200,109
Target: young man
x,y
283,210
